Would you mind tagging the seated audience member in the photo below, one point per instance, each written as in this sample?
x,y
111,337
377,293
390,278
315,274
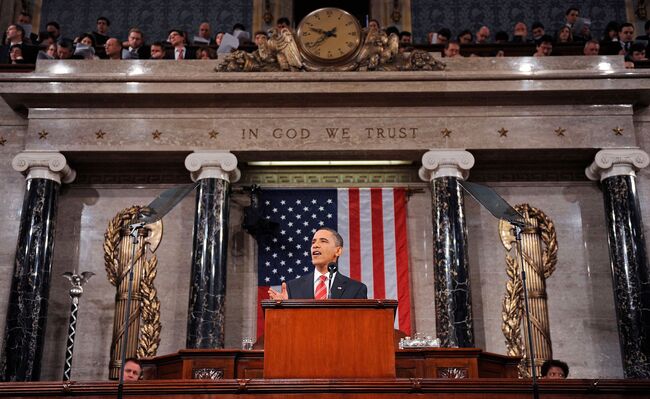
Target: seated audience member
x,y
132,370
101,34
65,50
49,53
483,35
571,16
444,35
86,47
452,49
645,37
113,49
54,30
259,36
465,37
179,51
25,20
16,37
157,51
555,369
637,52
592,47
544,46
218,37
405,37
520,33
626,37
16,55
537,30
564,35
205,53
611,32
281,23
501,37
205,35
374,24
136,47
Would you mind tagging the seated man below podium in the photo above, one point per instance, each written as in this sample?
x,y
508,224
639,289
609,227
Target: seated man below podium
x,y
326,247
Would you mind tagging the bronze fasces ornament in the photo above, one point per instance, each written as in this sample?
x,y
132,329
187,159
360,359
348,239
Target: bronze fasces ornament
x,y
539,247
144,313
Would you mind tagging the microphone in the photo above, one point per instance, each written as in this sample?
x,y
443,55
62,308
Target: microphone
x,y
332,268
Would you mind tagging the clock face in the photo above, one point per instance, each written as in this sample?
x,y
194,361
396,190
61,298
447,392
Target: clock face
x,y
329,35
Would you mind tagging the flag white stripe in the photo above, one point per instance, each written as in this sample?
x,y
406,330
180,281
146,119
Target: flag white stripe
x,y
390,261
343,227
365,213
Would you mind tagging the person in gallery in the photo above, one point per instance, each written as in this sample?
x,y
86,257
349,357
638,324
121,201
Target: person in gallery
x,y
555,370
132,370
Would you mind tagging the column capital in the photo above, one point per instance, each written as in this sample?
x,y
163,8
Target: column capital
x,y
617,162
213,164
49,165
446,163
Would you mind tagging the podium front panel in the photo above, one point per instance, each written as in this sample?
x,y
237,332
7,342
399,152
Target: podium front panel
x,y
330,339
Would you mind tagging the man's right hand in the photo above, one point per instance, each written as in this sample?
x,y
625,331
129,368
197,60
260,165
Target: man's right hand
x,y
283,294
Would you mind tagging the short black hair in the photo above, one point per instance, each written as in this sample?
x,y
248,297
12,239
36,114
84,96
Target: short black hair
x,y
54,24
546,366
19,29
536,25
180,32
450,42
67,43
466,31
238,26
445,32
283,20
404,33
625,25
104,19
637,46
502,36
568,11
338,240
392,29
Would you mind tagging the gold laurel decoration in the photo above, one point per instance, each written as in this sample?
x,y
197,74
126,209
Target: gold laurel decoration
x,y
549,238
150,309
112,241
511,314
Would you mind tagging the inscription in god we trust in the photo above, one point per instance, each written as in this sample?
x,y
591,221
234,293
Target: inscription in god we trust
x,y
342,133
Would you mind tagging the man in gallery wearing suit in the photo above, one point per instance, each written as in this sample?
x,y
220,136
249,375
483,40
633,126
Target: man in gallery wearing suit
x,y
326,248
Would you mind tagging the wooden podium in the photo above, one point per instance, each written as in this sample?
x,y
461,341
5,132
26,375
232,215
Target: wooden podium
x,y
336,338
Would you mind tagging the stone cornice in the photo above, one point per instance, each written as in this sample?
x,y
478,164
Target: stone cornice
x,y
446,163
49,165
617,162
213,164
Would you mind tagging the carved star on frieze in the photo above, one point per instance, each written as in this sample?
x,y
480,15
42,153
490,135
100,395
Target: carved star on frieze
x,y
213,134
445,133
503,132
560,131
42,135
2,141
618,131
156,134
100,134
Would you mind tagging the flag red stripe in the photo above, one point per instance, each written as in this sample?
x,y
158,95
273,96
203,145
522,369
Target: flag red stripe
x,y
378,280
402,254
262,293
355,235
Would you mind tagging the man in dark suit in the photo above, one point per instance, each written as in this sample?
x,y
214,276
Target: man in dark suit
x,y
326,247
179,50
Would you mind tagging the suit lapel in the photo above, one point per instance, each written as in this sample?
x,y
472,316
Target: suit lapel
x,y
307,286
338,286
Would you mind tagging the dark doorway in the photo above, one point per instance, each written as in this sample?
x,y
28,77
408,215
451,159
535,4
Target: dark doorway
x,y
357,8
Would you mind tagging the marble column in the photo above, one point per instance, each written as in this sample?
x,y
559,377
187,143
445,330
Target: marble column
x,y
30,281
215,170
615,168
453,299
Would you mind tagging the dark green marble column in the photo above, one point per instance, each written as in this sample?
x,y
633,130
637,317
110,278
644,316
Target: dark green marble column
x,y
628,254
206,311
453,299
30,281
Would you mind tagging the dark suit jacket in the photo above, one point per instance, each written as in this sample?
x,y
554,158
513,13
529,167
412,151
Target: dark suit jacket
x,y
343,287
190,53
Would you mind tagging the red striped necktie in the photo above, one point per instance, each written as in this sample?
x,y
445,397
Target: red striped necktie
x,y
321,288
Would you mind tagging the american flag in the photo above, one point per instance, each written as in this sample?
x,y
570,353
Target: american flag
x,y
372,222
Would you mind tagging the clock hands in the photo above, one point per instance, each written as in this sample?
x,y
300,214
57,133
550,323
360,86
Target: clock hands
x,y
325,35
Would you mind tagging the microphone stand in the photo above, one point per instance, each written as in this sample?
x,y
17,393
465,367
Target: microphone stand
x,y
134,229
518,230
332,268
